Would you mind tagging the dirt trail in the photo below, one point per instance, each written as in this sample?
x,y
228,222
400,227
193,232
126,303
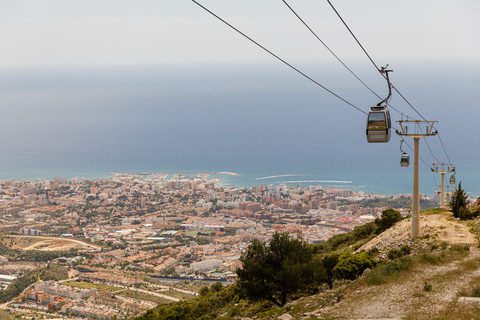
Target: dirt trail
x,y
406,296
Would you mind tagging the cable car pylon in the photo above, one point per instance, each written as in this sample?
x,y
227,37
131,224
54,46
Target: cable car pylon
x,y
413,128
443,168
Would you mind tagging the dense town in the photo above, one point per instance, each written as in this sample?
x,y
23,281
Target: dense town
x,y
128,231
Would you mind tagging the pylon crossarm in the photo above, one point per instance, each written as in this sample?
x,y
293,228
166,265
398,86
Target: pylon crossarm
x,y
413,128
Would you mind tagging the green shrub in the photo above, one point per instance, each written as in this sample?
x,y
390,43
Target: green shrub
x,y
395,267
379,274
389,218
429,258
233,312
427,287
460,248
476,291
372,252
205,291
394,254
217,286
466,214
405,250
352,267
374,278
359,233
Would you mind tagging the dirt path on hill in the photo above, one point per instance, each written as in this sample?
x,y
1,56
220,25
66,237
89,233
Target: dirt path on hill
x,y
450,230
405,295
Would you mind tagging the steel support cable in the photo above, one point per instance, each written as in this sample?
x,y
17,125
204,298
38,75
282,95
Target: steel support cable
x,y
376,67
278,58
430,149
353,35
444,148
434,179
318,38
396,90
428,146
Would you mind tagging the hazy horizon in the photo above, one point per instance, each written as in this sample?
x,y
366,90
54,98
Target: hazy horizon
x,y
88,85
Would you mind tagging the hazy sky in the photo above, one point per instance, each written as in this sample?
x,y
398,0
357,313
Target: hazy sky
x,y
433,46
146,32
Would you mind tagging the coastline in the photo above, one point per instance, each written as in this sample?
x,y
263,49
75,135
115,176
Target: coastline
x,y
180,172
358,181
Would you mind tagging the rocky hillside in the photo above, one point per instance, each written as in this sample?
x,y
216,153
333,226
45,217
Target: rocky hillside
x,y
422,278
445,267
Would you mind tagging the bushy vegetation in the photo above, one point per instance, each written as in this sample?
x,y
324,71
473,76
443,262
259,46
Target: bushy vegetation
x,y
395,254
427,287
360,234
397,202
385,270
476,291
285,268
274,270
389,218
458,205
228,302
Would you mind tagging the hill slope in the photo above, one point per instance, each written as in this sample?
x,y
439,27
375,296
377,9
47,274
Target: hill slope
x,y
447,258
443,265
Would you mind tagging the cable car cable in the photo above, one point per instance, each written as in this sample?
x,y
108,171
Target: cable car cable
x,y
352,34
430,149
396,90
376,67
324,44
309,78
444,148
278,58
434,179
318,38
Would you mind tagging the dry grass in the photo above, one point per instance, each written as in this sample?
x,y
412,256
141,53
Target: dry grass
x,y
88,285
446,268
143,296
453,310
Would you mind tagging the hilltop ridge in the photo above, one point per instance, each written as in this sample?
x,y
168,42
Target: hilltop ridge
x,y
446,266
424,278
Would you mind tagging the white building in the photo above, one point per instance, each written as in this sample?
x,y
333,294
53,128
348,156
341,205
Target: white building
x,y
206,265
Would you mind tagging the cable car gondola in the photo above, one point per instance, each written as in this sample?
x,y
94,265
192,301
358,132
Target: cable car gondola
x,y
452,177
405,158
379,124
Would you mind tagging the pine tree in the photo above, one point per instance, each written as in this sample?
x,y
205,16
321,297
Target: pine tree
x,y
275,270
459,201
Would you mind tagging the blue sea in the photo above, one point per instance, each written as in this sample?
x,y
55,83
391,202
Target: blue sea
x,y
264,122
